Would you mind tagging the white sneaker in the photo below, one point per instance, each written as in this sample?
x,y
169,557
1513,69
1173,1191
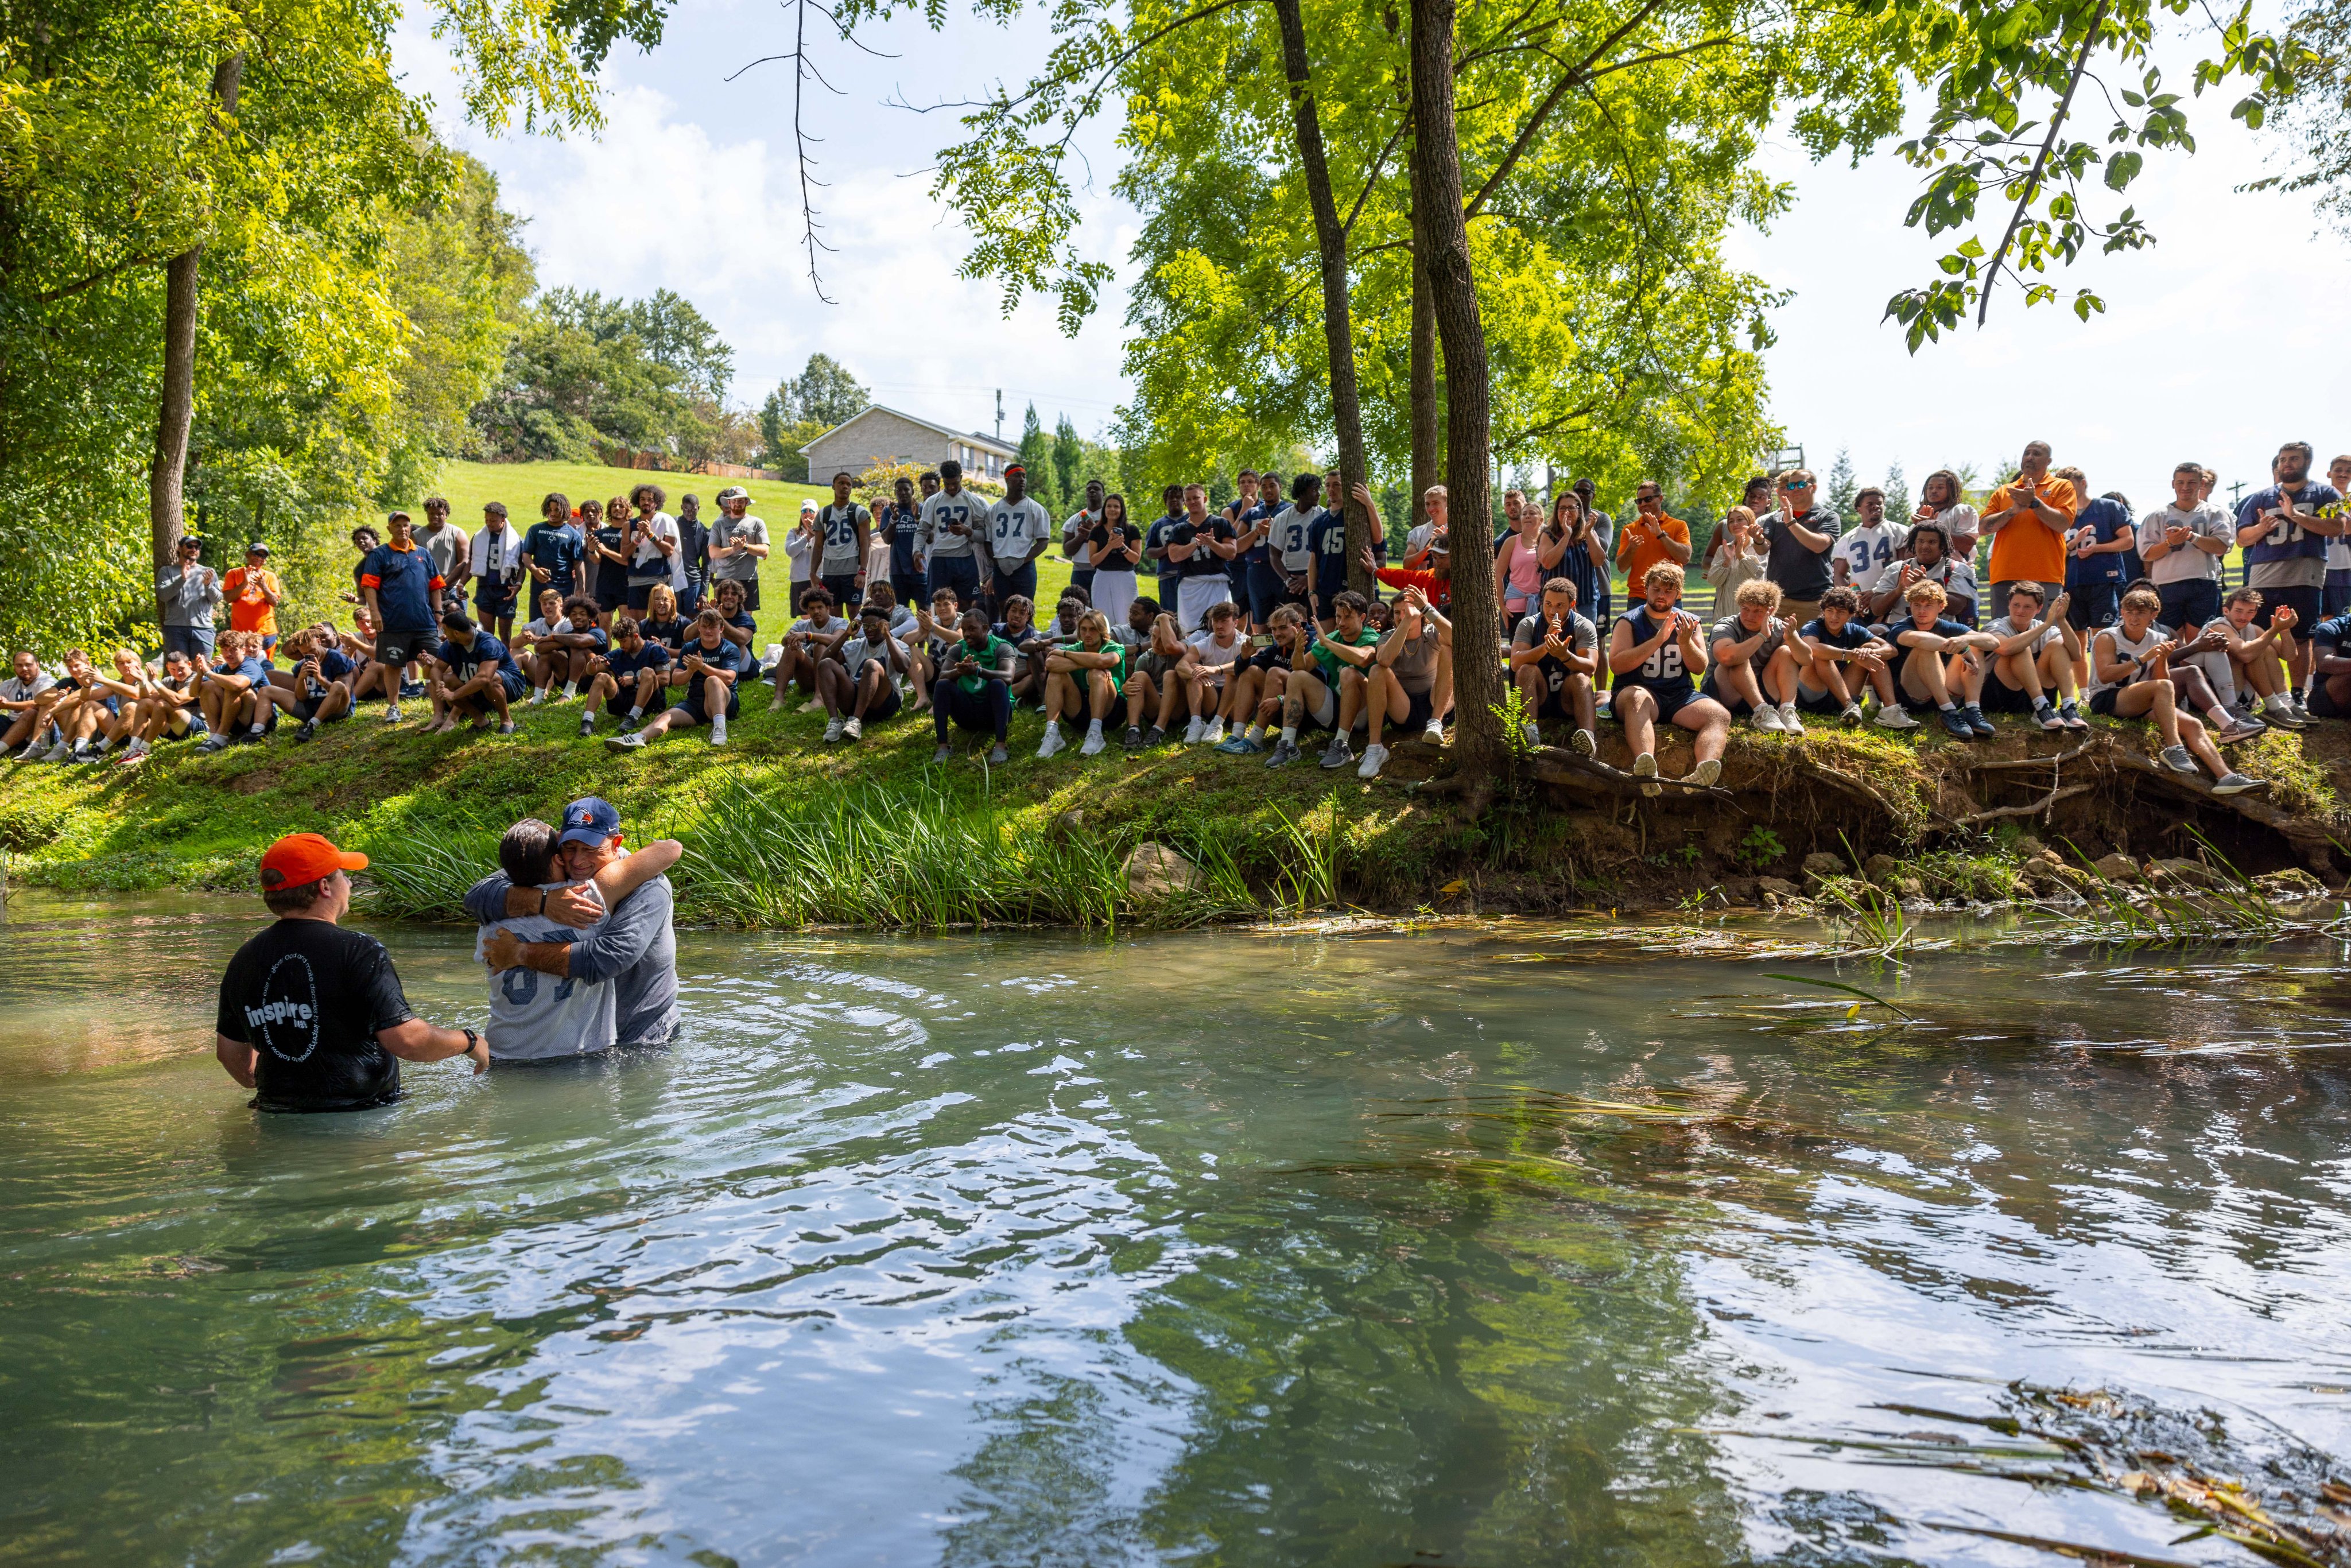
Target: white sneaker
x,y
832,730
1705,773
64,748
719,733
1789,719
1093,743
1852,715
1584,743
538,697
1894,719
391,713
1053,742
854,728
1435,732
1766,719
1192,730
1214,734
1374,758
1644,768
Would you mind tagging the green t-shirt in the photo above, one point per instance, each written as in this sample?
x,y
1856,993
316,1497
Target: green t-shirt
x,y
991,656
1331,662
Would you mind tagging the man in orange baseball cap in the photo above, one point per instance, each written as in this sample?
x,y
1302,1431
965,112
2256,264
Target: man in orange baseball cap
x,y
311,1016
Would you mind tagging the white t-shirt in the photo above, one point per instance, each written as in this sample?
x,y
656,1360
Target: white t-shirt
x,y
2006,627
539,628
834,626
1867,550
540,1017
2124,648
1289,534
857,652
15,691
650,565
1014,529
2189,564
1216,656
932,535
1956,577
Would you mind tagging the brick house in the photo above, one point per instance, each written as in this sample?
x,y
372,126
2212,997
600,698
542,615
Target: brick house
x,y
880,436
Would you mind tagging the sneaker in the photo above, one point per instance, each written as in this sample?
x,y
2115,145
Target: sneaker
x,y
1374,759
1093,745
251,736
1153,736
1338,754
1957,723
2239,729
1242,746
1285,752
1584,744
717,735
411,689
1705,773
2176,758
1644,768
1976,720
1534,735
1790,720
1852,718
32,752
943,754
625,743
1214,734
832,730
631,723
1766,719
996,755
2047,716
505,727
1053,741
2072,713
391,713
1193,730
853,727
212,743
1433,732
308,732
1893,718
1134,738
2237,784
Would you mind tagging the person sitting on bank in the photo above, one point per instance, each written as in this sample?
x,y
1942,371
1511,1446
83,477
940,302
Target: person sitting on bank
x,y
1554,654
1401,684
860,680
808,641
20,702
531,1021
474,677
168,711
2033,656
713,667
1083,679
312,1017
635,946
1753,656
974,690
318,689
634,680
1326,686
2258,656
568,650
1655,652
1845,660
1939,663
2131,678
232,689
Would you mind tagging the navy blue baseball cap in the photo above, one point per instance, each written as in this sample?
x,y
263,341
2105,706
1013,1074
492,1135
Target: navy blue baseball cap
x,y
589,822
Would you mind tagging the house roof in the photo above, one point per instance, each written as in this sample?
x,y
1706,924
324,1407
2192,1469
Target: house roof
x,y
988,442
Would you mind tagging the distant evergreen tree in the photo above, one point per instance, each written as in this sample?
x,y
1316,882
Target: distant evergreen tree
x,y
1842,484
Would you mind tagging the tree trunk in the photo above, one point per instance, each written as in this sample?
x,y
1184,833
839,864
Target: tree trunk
x,y
166,477
1346,407
1427,460
1478,687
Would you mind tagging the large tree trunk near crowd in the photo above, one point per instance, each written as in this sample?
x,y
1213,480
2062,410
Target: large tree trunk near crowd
x,y
167,476
1427,430
1478,685
1330,240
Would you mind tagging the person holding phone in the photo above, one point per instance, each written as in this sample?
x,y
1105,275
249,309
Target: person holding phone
x,y
1554,658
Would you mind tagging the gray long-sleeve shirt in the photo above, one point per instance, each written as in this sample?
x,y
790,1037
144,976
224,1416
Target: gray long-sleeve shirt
x,y
635,949
188,595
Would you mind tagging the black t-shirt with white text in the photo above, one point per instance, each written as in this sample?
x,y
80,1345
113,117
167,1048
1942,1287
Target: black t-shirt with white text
x,y
308,997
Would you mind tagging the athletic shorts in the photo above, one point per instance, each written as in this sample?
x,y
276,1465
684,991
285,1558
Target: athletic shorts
x,y
750,592
911,590
690,708
1739,707
480,701
307,709
2322,706
1555,703
612,591
396,645
2306,603
641,594
493,602
843,586
618,704
2092,607
1419,707
2191,603
886,705
1671,701
1820,702
1999,696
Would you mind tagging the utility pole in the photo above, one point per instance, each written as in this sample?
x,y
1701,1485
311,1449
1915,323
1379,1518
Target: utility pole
x,y
999,414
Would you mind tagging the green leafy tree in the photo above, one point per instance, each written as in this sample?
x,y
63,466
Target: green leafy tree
x,y
1037,457
1069,459
824,393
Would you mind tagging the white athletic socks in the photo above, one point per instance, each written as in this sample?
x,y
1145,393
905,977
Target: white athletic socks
x,y
570,690
1289,735
718,729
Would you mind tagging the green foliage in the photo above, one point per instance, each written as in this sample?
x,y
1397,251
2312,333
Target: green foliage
x,y
1896,486
1842,484
1037,457
1761,848
585,371
804,407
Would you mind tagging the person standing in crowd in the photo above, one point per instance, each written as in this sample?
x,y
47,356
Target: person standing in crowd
x,y
2131,677
900,521
1261,583
738,543
554,546
1650,536
1115,548
652,548
452,551
402,590
254,594
496,562
1155,545
1604,529
188,590
1326,541
1019,530
611,535
693,557
2030,518
804,547
1248,515
846,530
1656,654
1736,555
1526,561
712,667
1942,501
1077,531
1554,655
1292,559
475,677
633,945
1197,547
1432,529
2283,531
2180,544
1797,539
2337,596
2104,539
974,690
1865,551
953,522
312,1017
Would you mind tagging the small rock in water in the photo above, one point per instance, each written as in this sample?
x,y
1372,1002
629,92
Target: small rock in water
x,y
2291,885
2119,867
2196,874
1778,887
1156,873
1819,865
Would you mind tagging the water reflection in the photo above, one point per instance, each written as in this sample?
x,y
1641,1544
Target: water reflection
x,y
1246,1248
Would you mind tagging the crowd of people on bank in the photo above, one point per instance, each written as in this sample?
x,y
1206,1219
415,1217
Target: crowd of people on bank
x,y
1234,626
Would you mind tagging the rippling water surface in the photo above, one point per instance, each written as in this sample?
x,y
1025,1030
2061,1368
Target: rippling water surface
x,y
1227,1247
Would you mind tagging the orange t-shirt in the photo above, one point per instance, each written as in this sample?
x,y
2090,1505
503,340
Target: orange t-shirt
x,y
2025,548
248,611
1638,547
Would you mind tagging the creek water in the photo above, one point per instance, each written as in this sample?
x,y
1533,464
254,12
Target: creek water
x,y
1460,1246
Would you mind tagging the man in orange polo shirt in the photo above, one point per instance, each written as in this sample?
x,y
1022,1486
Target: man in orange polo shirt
x,y
1650,536
253,592
2029,522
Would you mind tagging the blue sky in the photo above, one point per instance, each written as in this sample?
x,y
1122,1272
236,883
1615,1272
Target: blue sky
x,y
2218,343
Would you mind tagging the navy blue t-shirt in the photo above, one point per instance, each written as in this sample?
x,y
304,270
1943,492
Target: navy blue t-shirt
x,y
898,526
465,662
1854,635
728,655
1171,572
670,634
405,584
2109,520
1256,554
555,548
333,665
650,655
1326,538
